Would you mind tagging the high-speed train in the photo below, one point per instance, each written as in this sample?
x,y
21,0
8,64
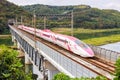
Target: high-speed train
x,y
68,42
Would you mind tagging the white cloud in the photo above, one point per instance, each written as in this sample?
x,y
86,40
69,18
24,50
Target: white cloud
x,y
113,6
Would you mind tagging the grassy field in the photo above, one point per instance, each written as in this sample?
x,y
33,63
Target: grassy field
x,y
5,40
94,37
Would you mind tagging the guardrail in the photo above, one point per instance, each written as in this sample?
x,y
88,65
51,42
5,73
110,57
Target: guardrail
x,y
105,54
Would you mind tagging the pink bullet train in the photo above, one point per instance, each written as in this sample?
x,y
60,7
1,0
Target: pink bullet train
x,y
68,42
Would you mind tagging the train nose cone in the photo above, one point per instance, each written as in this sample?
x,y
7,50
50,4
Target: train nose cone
x,y
90,52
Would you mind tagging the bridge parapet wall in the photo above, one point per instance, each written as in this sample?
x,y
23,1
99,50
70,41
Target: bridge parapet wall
x,y
107,55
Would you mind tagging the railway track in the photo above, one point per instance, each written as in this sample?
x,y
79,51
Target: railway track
x,y
104,65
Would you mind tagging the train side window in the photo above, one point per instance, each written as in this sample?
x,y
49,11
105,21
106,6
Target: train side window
x,y
46,35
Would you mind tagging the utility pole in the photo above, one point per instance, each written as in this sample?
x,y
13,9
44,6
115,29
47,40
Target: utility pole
x,y
72,23
21,20
34,20
16,21
44,22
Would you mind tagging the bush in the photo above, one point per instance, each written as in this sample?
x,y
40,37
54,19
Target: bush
x,y
117,70
10,66
62,76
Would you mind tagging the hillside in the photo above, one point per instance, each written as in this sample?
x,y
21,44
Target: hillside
x,y
7,11
46,9
84,15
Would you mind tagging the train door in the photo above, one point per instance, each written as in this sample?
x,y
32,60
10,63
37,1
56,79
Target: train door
x,y
53,38
69,45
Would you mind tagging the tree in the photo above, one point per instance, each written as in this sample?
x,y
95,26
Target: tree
x,y
10,66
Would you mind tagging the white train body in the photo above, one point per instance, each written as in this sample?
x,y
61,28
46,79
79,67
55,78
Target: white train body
x,y
68,42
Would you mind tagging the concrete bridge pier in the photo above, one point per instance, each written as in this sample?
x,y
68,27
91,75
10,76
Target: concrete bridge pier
x,y
14,40
49,70
38,75
28,64
18,45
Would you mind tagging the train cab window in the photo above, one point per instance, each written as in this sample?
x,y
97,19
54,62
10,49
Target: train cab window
x,y
81,44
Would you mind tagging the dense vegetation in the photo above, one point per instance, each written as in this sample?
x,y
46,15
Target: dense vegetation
x,y
62,76
11,67
84,16
9,11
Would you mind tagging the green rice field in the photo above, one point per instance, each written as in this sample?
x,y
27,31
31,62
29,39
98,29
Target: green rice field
x,y
5,40
94,37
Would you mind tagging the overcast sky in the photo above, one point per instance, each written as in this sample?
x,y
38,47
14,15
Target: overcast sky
x,y
102,4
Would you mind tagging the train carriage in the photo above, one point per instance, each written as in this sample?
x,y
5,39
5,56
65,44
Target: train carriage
x,y
68,42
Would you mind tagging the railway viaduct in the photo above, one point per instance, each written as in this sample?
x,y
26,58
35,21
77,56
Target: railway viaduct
x,y
47,59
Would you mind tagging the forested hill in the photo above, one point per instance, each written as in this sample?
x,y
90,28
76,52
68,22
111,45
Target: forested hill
x,y
7,11
46,9
84,15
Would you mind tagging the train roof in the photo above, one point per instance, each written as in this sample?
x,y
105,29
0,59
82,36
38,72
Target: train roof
x,y
69,37
49,31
